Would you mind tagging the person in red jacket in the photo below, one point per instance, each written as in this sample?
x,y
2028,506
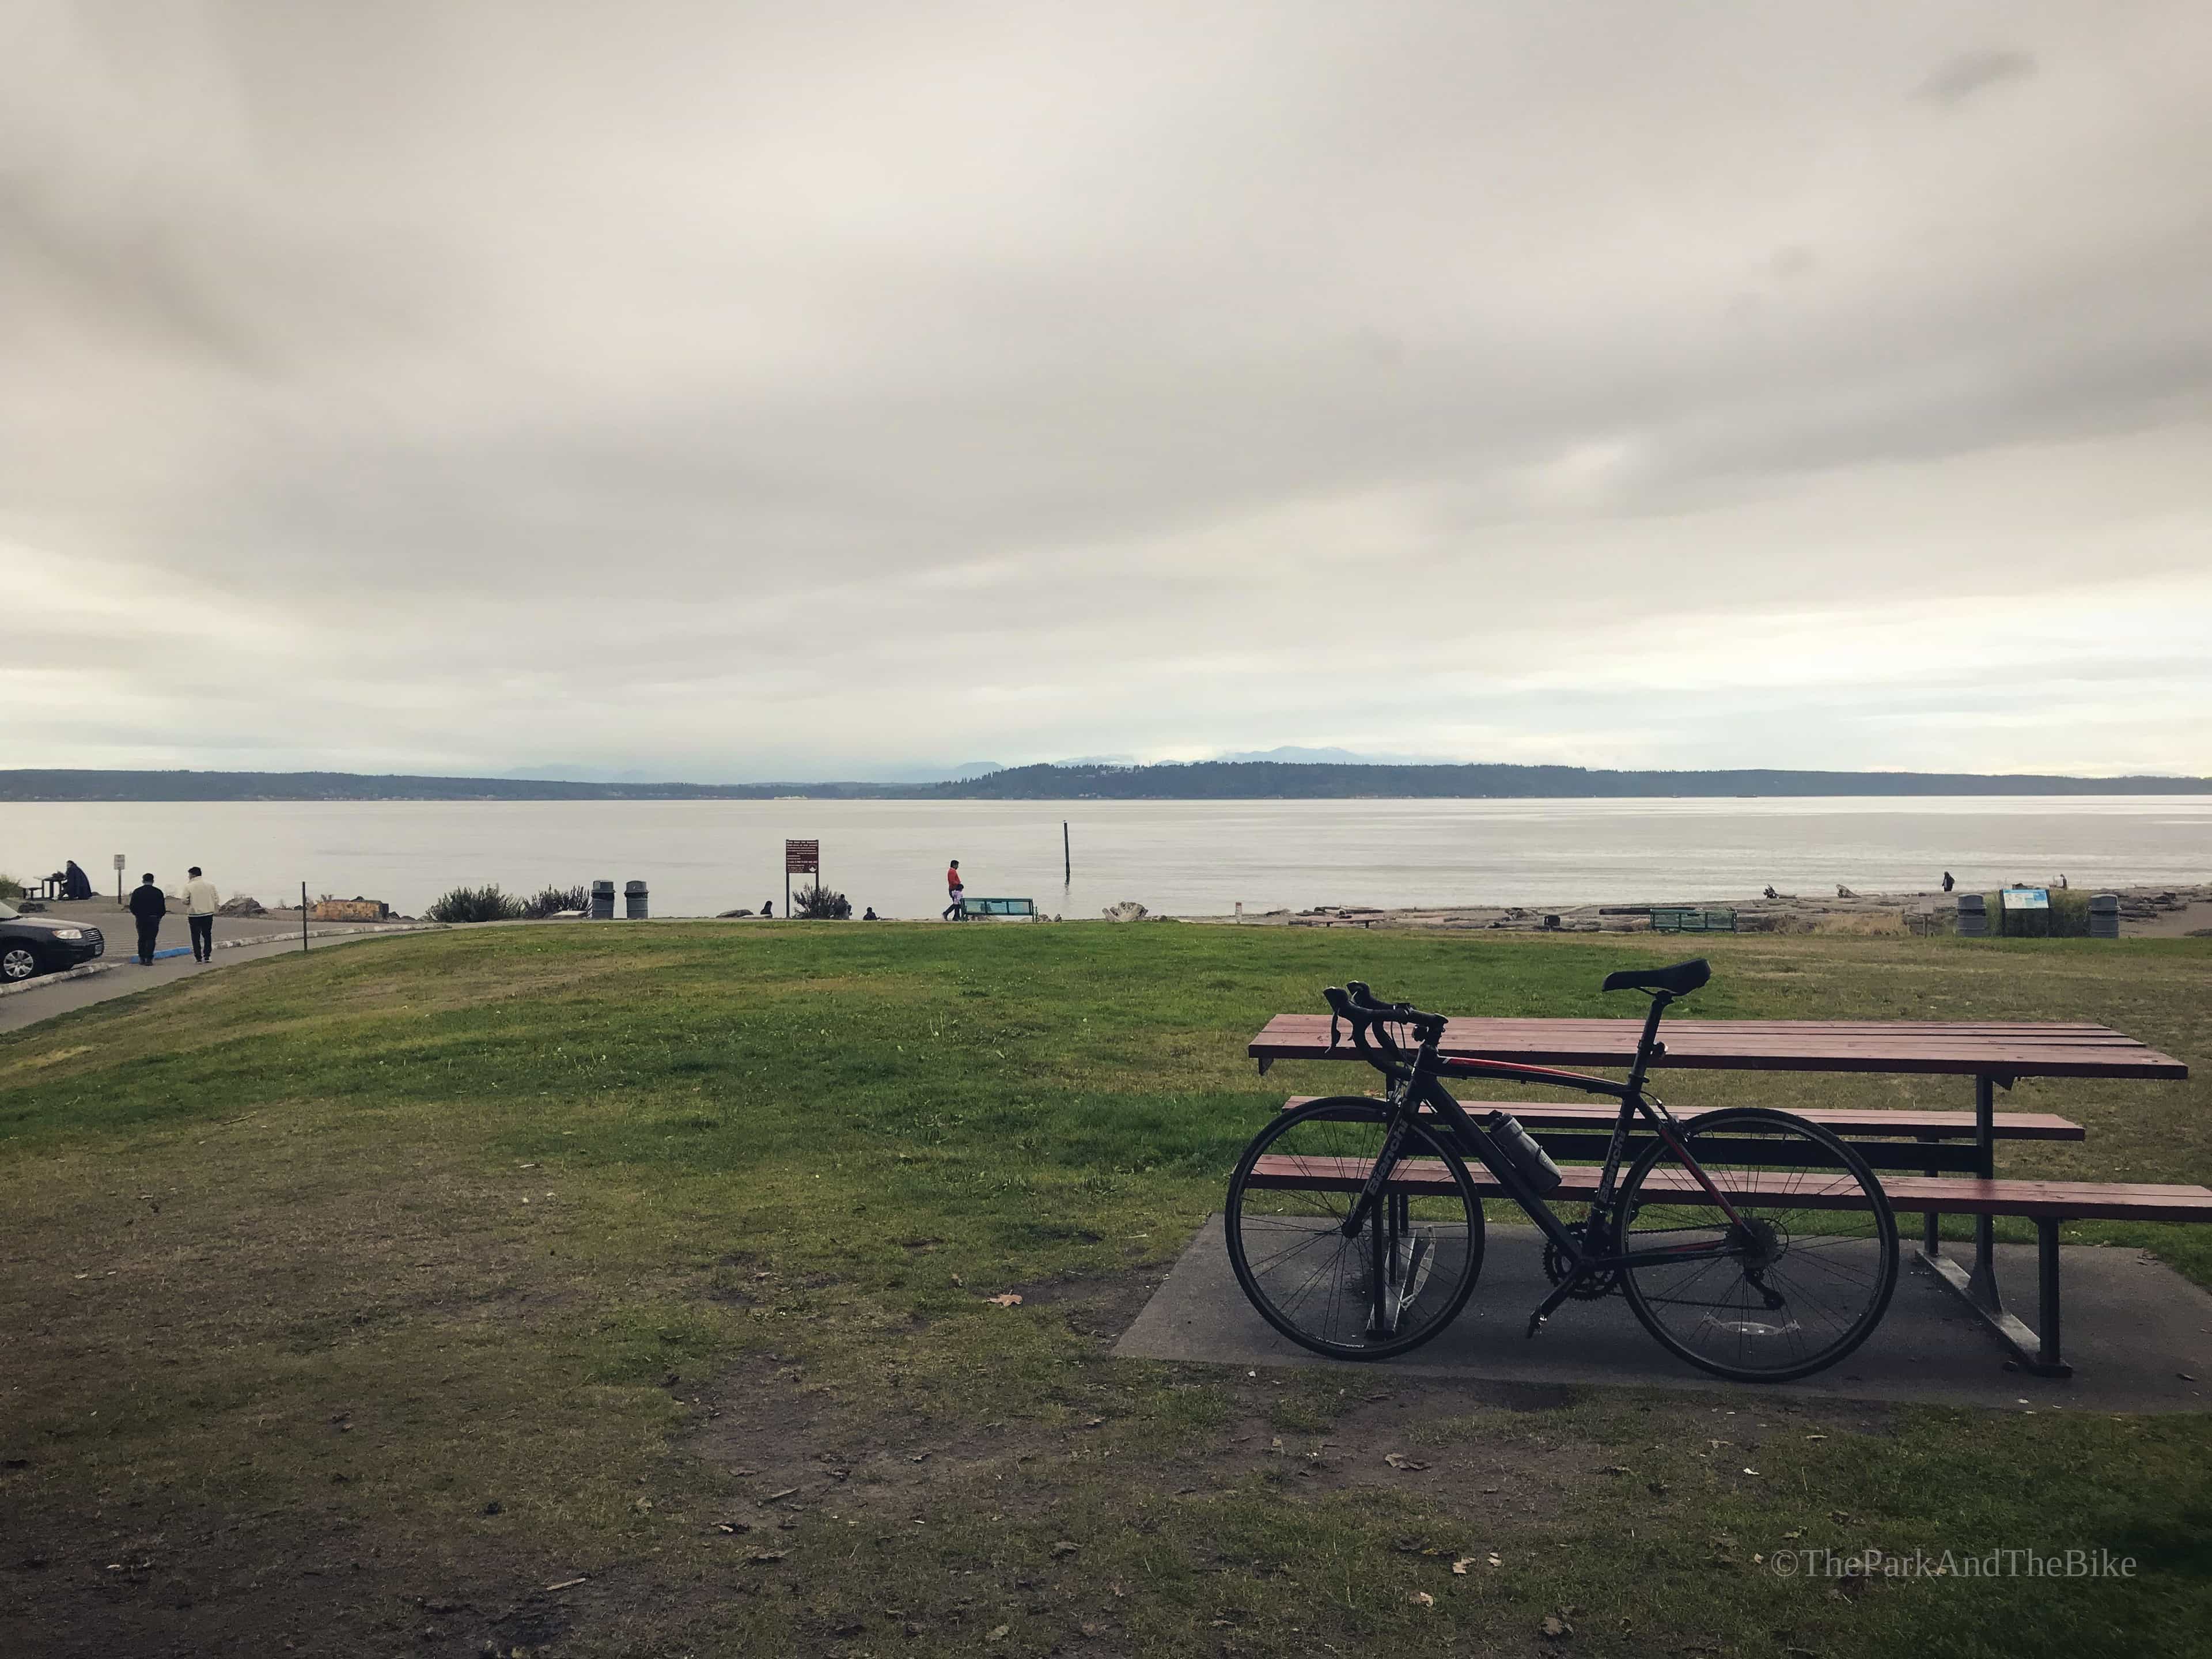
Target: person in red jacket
x,y
953,886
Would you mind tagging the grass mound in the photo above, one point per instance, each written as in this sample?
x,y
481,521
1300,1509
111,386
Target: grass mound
x,y
353,1299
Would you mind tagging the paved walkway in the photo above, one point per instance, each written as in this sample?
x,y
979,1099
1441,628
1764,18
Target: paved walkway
x,y
45,997
2139,1335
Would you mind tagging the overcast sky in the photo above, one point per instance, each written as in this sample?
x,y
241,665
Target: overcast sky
x,y
726,392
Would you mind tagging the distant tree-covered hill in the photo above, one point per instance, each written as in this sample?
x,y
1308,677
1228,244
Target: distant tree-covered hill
x,y
1198,781
1263,779
58,784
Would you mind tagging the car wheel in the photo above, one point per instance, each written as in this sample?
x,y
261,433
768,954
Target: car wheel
x,y
18,962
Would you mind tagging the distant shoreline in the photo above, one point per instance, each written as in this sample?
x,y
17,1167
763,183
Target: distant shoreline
x,y
1240,780
2171,909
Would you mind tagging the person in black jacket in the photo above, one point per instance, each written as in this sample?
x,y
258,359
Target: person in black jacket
x,y
76,884
148,904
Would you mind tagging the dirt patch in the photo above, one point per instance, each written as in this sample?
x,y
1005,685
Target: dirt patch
x,y
170,1582
1097,1305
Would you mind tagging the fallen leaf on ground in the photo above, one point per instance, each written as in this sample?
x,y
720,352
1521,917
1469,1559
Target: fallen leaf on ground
x,y
1423,1598
767,1555
1460,1566
1555,1626
1064,1547
1009,1300
999,1634
1400,1460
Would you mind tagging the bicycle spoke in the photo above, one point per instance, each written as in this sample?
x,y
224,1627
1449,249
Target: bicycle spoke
x,y
1800,1284
1310,1281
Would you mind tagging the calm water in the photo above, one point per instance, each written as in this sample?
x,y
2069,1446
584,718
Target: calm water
x,y
1186,857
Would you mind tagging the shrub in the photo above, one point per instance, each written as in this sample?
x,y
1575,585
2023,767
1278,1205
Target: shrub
x,y
818,903
486,903
10,888
551,900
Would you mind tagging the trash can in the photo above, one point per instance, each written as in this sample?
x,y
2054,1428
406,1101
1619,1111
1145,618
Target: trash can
x,y
603,900
2105,915
1973,916
633,900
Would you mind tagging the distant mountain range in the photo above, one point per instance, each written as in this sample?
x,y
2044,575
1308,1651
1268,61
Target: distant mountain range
x,y
1221,780
557,773
1294,756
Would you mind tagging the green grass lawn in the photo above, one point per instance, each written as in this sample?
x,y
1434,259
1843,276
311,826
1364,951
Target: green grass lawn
x,y
348,1302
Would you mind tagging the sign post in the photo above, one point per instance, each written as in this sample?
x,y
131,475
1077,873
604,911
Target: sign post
x,y
119,877
801,858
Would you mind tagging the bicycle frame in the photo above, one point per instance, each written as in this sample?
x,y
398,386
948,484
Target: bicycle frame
x,y
1418,1083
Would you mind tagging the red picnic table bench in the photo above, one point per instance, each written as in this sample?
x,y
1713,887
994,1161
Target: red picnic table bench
x,y
1956,1149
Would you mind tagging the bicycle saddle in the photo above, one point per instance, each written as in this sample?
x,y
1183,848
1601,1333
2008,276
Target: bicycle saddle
x,y
1681,980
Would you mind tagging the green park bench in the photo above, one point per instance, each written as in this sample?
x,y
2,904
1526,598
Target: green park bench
x,y
975,909
1692,922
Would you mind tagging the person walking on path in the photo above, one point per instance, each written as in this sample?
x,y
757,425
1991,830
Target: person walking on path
x,y
1948,883
149,905
953,887
200,902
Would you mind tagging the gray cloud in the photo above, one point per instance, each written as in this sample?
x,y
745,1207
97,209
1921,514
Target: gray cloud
x,y
1957,79
731,389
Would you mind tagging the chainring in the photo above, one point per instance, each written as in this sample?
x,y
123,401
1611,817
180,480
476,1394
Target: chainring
x,y
1594,1288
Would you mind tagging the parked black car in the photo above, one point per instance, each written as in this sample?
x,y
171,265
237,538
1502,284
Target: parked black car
x,y
39,944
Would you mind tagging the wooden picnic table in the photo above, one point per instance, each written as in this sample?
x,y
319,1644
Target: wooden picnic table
x,y
1994,1053
1999,1050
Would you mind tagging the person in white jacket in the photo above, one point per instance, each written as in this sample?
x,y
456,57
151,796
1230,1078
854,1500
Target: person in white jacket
x,y
201,900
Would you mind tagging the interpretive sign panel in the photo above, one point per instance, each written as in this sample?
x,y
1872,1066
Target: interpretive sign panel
x,y
802,858
2026,898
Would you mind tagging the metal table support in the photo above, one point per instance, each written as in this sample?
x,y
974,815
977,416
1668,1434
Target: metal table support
x,y
1978,1286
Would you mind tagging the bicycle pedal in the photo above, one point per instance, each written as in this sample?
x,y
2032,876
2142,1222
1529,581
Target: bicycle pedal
x,y
1537,1321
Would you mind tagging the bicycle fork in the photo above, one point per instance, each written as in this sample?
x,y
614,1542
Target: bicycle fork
x,y
1397,1265
1398,1257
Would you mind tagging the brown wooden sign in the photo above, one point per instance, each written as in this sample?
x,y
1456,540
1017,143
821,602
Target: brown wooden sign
x,y
802,858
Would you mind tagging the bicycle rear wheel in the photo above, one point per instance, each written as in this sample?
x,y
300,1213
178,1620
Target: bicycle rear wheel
x,y
1391,1286
1800,1277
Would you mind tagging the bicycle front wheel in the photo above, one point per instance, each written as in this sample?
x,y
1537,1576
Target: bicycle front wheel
x,y
1389,1286
1796,1278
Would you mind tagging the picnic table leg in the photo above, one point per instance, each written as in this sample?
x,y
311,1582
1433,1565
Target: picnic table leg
x,y
2046,1266
1984,1278
1931,1232
1978,1287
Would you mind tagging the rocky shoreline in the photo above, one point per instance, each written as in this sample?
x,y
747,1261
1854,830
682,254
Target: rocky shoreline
x,y
2145,912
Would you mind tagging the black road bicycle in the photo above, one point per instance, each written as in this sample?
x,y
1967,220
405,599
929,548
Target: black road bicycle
x,y
1748,1241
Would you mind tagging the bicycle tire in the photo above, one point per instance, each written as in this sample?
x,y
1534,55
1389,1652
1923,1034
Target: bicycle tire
x,y
1853,1262
1443,1229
